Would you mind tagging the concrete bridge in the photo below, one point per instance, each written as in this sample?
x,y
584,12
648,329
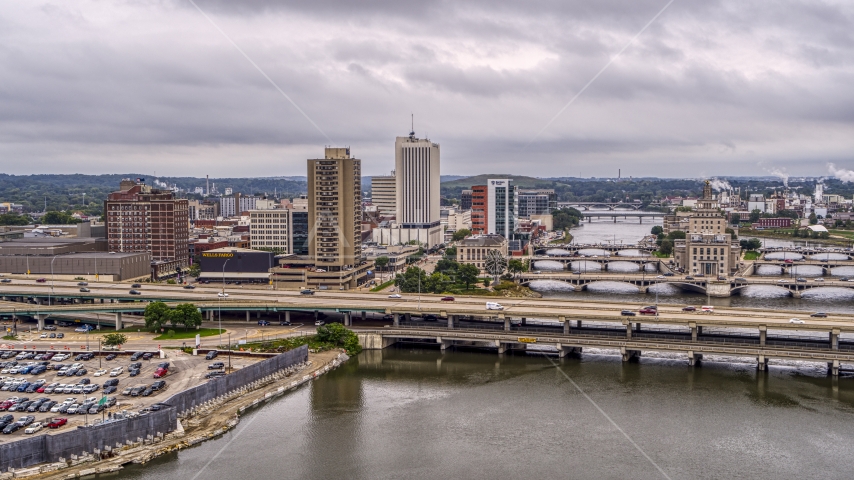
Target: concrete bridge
x,y
705,285
575,247
566,260
584,206
615,215
826,265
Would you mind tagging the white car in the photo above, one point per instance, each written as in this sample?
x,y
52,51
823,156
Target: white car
x,y
222,294
116,371
660,276
60,357
395,295
494,306
320,270
100,372
319,323
34,427
44,335
782,280
796,320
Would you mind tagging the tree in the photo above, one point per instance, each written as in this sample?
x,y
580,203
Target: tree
x,y
451,253
446,266
666,247
467,274
438,282
676,235
157,314
486,282
186,314
656,230
735,219
381,262
412,280
339,336
731,232
59,218
14,219
754,215
115,339
194,270
460,234
515,266
813,219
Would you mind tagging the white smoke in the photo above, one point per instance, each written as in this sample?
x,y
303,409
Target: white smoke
x,y
782,175
160,184
841,174
720,185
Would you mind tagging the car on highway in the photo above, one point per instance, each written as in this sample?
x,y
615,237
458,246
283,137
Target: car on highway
x,y
818,280
82,284
627,313
211,355
707,308
319,323
41,280
306,291
782,280
819,315
796,320
689,277
494,306
660,276
189,287
285,322
222,295
263,323
801,279
6,280
35,427
395,295
689,308
669,274
649,310
57,422
135,292
447,299
136,285
85,290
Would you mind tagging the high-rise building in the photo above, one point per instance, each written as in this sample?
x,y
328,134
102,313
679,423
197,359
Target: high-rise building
x,y
233,206
271,230
479,210
383,195
335,210
502,212
536,202
707,248
465,200
142,219
417,190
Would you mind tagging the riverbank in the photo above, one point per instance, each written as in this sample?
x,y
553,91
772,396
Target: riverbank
x,y
838,241
208,422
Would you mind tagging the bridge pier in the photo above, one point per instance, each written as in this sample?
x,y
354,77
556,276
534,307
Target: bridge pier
x,y
833,368
450,322
629,331
396,319
524,321
565,325
258,314
578,324
40,319
444,344
119,324
695,331
630,355
506,324
834,339
288,316
642,289
565,350
502,347
247,315
407,317
347,320
762,363
364,316
796,294
763,330
694,358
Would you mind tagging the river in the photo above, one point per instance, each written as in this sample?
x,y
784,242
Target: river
x,y
417,413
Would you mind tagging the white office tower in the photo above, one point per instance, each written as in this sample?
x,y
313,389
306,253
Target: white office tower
x,y
502,211
417,194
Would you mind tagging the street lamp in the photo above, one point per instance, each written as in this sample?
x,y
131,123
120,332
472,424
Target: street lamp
x,y
229,351
99,352
219,304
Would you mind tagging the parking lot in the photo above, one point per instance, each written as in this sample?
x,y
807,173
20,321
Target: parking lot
x,y
130,391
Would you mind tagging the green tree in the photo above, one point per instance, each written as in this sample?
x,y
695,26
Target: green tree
x,y
754,215
58,218
666,247
115,339
460,234
438,282
186,314
656,230
676,235
813,219
735,219
731,232
451,253
467,274
515,266
14,219
412,280
194,270
381,262
447,266
486,282
157,314
339,336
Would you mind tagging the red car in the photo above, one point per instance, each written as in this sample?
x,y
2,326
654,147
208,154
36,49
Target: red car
x,y
5,405
57,422
160,372
648,311
41,280
447,299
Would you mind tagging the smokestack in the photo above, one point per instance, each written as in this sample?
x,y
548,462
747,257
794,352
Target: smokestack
x,y
208,185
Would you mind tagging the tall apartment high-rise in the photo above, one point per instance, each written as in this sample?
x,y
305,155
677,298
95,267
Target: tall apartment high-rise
x,y
417,190
479,210
142,219
502,213
335,210
383,196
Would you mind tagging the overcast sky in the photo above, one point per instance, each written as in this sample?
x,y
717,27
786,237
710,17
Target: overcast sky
x,y
710,88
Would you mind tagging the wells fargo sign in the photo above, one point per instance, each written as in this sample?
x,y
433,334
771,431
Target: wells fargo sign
x,y
217,255
527,340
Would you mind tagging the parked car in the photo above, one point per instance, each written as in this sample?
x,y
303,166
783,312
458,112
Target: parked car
x,y
158,385
627,313
12,428
111,356
160,372
35,427
110,389
57,422
216,366
211,355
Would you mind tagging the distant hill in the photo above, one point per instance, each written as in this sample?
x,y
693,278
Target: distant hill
x,y
454,186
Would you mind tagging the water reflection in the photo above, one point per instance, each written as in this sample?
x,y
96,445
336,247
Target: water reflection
x,y
842,271
594,252
829,256
585,266
548,265
769,270
783,256
612,287
633,252
623,267
807,270
558,252
550,286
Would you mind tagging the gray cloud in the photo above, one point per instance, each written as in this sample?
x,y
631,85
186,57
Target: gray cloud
x,y
717,86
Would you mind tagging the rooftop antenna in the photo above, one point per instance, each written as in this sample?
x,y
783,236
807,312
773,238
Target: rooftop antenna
x,y
412,130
